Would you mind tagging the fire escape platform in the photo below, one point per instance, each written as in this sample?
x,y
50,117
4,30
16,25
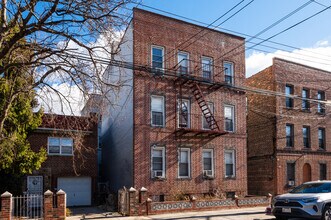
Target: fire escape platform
x,y
188,132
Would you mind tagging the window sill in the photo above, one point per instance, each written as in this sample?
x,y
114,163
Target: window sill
x,y
306,148
159,179
157,126
230,178
288,148
321,149
321,113
208,177
184,178
306,110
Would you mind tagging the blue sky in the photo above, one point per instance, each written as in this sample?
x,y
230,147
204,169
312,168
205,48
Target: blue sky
x,y
314,34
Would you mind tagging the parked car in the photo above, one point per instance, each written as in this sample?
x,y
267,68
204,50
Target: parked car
x,y
311,200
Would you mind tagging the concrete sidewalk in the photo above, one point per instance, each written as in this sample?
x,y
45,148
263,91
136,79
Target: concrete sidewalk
x,y
255,213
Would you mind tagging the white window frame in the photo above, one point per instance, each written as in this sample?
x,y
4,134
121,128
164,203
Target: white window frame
x,y
210,64
211,151
211,108
60,146
180,63
188,112
163,111
161,48
233,117
231,71
188,150
163,162
233,152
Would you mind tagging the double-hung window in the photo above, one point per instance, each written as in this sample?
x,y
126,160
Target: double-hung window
x,y
321,138
288,92
229,160
228,72
184,163
290,170
183,63
323,171
208,162
305,97
320,105
205,124
158,162
306,136
229,118
183,113
207,67
157,57
60,146
289,135
157,111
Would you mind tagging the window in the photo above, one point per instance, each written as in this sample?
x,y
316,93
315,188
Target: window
x,y
207,67
157,57
184,163
305,97
288,92
306,136
208,162
157,106
183,113
229,158
158,162
228,72
322,171
205,124
321,106
183,61
60,146
229,118
321,138
289,135
290,168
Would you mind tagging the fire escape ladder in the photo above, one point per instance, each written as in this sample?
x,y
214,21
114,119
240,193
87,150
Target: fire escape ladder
x,y
204,107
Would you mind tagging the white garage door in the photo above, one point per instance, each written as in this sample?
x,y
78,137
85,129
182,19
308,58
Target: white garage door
x,y
78,190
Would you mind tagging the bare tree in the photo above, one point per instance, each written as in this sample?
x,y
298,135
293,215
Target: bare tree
x,y
53,30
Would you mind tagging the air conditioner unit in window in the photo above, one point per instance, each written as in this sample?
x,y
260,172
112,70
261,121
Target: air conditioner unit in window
x,y
291,183
208,173
158,173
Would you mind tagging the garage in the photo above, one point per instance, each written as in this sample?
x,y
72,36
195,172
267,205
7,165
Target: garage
x,y
78,190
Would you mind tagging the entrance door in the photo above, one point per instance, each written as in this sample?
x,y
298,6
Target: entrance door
x,y
35,185
306,172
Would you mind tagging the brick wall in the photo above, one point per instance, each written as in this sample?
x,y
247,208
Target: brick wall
x,y
277,76
151,29
83,130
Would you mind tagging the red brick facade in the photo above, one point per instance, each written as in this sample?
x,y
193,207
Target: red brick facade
x,y
149,30
83,161
268,152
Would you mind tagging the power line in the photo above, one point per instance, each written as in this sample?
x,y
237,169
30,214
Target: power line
x,y
181,45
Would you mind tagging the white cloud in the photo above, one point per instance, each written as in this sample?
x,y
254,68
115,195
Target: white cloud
x,y
318,57
62,99
72,99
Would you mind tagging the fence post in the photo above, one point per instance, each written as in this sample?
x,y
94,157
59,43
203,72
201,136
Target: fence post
x,y
48,205
6,206
61,204
132,202
142,201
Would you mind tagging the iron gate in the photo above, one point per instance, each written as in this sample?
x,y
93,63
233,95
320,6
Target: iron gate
x,y
28,206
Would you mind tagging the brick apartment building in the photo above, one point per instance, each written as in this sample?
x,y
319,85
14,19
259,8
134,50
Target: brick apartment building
x,y
288,135
71,165
178,125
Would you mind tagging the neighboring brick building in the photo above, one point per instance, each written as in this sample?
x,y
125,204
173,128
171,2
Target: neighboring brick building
x,y
288,135
71,143
178,125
